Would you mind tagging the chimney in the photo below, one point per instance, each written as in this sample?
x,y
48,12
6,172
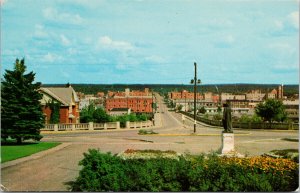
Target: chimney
x,y
280,92
127,92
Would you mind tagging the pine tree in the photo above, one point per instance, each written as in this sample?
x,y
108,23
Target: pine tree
x,y
21,111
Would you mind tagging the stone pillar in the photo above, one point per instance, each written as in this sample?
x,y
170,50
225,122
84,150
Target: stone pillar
x,y
134,124
118,125
105,126
73,127
91,126
127,124
227,143
55,127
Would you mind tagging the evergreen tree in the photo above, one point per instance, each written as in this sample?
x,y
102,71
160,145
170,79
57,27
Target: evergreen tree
x,y
21,111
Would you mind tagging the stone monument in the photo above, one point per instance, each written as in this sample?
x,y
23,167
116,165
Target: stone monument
x,y
227,134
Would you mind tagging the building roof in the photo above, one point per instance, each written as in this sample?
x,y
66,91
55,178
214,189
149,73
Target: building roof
x,y
64,95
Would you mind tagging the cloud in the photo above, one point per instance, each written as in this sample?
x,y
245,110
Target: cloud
x,y
40,32
286,26
50,58
53,15
64,40
154,59
107,43
225,42
285,68
2,2
280,46
293,19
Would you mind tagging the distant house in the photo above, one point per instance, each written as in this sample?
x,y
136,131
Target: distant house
x,y
67,97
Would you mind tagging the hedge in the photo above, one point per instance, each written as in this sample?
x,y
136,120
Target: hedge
x,y
107,172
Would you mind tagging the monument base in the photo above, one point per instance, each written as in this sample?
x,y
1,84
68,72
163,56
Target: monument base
x,y
227,143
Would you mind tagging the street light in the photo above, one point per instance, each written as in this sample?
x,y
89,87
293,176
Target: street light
x,y
195,81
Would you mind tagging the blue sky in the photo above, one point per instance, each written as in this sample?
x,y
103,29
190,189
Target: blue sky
x,y
152,41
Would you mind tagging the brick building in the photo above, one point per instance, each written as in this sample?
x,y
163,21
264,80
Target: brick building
x,y
137,101
69,103
184,95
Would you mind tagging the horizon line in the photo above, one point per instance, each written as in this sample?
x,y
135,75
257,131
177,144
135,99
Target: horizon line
x,y
169,84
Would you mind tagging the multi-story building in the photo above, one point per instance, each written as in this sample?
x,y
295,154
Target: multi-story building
x,y
229,96
137,101
184,95
292,109
255,95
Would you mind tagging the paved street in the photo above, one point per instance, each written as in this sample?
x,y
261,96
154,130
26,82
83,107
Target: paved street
x,y
53,171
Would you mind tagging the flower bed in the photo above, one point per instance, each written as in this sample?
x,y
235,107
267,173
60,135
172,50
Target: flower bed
x,y
148,154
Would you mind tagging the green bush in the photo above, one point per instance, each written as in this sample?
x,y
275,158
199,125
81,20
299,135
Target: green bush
x,y
217,117
247,119
107,172
146,132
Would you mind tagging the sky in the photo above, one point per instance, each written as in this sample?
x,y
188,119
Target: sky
x,y
153,41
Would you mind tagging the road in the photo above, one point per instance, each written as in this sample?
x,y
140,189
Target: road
x,y
54,171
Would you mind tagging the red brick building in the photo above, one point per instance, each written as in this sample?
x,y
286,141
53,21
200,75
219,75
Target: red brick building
x,y
137,101
67,97
136,104
184,95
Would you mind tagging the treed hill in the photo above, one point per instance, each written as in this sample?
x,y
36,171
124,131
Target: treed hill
x,y
164,88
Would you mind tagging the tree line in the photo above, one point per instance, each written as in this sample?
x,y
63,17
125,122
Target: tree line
x,y
289,90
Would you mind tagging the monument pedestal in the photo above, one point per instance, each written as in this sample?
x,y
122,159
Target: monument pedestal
x,y
227,143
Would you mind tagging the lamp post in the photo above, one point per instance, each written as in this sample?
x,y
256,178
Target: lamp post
x,y
195,81
185,103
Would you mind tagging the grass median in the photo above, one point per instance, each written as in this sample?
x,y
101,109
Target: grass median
x,y
12,151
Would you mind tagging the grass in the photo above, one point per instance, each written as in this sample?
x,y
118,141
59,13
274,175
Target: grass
x,y
12,151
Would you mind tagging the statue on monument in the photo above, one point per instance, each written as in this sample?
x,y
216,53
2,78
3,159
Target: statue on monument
x,y
227,124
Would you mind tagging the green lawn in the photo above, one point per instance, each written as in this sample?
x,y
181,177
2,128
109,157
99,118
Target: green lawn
x,y
12,151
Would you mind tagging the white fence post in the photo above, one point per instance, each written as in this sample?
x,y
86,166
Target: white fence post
x,y
91,126
55,127
117,125
73,127
105,126
127,124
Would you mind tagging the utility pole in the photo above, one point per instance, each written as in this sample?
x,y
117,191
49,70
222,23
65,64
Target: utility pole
x,y
195,81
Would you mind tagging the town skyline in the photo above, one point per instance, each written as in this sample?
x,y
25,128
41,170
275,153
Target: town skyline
x,y
148,42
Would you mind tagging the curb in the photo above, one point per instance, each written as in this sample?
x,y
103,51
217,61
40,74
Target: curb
x,y
94,131
34,156
194,135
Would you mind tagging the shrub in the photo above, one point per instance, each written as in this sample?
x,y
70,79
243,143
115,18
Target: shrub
x,y
106,172
146,132
246,119
217,117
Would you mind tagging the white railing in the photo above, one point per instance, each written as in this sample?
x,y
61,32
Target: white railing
x,y
95,126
